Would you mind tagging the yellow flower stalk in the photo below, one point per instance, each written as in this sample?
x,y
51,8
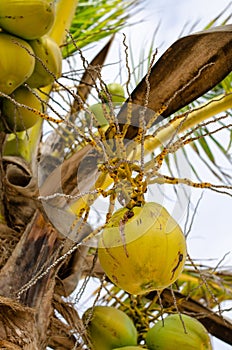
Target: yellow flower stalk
x,y
205,111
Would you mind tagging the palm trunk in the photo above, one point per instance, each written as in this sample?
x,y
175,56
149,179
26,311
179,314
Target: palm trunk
x,y
25,317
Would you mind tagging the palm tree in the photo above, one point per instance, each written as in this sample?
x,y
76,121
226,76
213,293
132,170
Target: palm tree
x,y
51,185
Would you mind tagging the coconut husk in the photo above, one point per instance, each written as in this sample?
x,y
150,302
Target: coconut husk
x,y
8,240
17,326
20,190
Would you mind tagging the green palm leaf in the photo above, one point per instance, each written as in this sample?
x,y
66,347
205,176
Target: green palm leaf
x,y
95,20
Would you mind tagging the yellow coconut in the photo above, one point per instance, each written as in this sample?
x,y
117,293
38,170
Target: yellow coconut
x,y
100,111
48,63
173,334
28,19
16,117
16,62
142,249
116,92
108,328
130,348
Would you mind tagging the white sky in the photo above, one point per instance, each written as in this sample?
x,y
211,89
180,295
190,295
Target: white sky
x,y
211,233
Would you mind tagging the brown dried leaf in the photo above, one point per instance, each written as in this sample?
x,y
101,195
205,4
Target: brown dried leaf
x,y
189,68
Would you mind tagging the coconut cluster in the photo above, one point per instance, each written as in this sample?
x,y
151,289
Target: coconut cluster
x,y
108,328
29,60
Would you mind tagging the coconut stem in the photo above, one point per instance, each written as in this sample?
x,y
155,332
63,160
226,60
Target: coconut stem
x,y
65,11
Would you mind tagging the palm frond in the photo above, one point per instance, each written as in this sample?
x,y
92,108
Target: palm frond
x,y
208,286
95,20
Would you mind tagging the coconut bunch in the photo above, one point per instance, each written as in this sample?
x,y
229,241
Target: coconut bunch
x,y
108,328
29,60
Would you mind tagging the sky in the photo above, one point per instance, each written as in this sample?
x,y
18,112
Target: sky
x,y
211,232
